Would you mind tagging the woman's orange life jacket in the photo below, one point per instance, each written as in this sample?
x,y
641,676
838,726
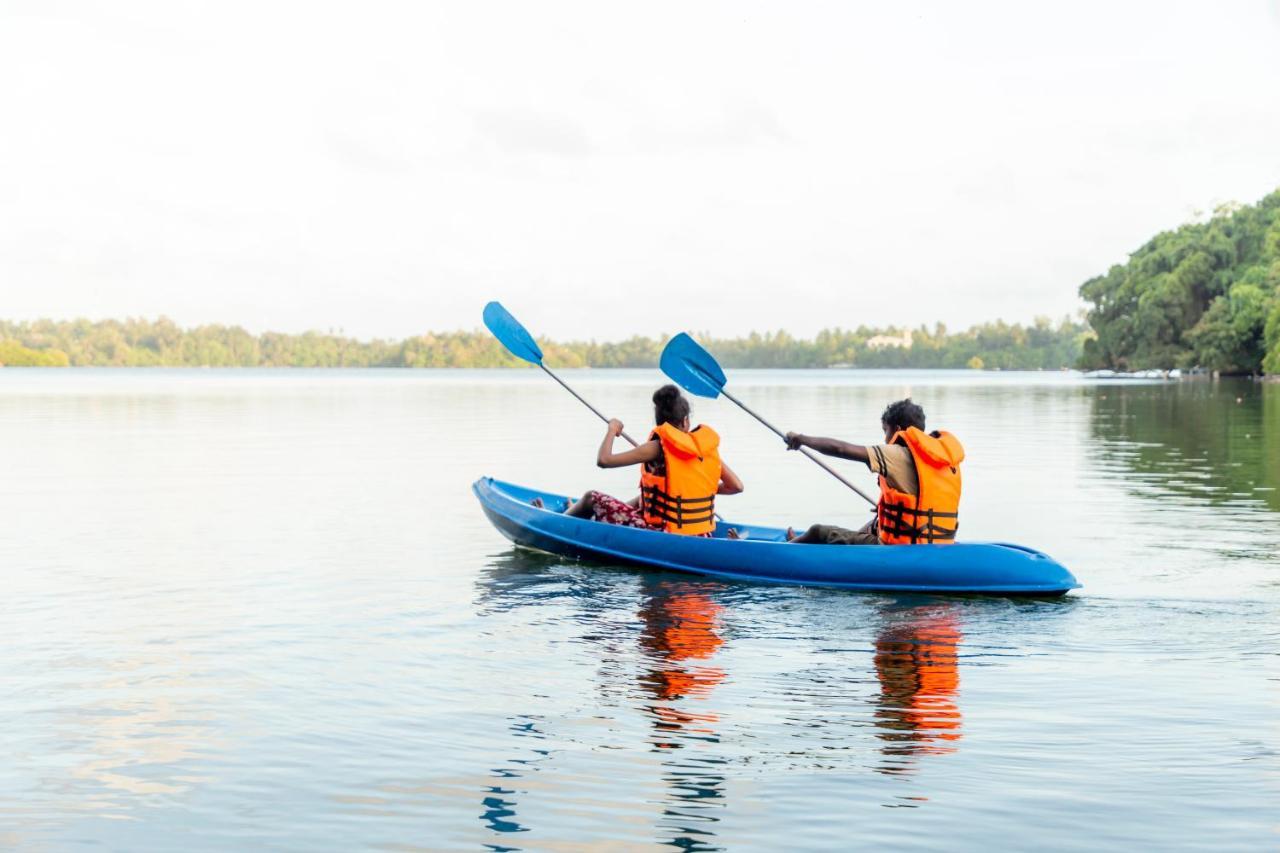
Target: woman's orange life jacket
x,y
679,495
933,515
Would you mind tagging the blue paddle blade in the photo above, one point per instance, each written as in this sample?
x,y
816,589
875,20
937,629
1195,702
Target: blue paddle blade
x,y
691,367
511,334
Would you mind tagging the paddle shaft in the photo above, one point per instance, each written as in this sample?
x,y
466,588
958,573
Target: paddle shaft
x,y
825,467
598,413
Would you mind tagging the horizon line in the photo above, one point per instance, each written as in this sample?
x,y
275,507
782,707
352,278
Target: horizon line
x,y
339,332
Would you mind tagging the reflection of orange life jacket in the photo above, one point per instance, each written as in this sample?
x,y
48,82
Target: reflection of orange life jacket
x,y
917,666
681,499
688,631
683,630
939,678
933,515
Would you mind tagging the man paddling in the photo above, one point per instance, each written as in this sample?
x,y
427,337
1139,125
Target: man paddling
x,y
919,482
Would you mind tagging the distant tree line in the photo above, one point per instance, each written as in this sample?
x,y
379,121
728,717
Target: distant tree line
x,y
1206,295
161,343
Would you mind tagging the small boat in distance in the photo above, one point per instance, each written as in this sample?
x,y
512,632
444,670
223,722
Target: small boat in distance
x,y
1175,373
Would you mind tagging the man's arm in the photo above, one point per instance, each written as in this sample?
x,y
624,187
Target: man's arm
x,y
828,446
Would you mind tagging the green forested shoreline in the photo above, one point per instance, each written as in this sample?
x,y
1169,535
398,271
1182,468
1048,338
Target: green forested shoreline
x,y
1205,295
161,343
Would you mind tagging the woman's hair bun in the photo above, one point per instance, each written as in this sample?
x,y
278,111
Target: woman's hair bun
x,y
669,406
666,394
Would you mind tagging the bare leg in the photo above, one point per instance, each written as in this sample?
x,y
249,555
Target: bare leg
x,y
581,508
809,537
584,507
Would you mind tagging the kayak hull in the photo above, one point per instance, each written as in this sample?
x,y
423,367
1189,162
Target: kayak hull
x,y
991,568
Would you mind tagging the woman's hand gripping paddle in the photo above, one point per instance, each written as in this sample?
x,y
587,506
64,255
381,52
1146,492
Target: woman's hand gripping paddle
x,y
516,338
693,369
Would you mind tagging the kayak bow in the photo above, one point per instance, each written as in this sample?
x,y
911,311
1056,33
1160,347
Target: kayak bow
x,y
993,568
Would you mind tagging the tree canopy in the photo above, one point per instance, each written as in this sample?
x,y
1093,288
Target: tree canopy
x,y
1206,295
15,354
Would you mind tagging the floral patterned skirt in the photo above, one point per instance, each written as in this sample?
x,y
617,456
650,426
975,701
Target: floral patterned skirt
x,y
610,510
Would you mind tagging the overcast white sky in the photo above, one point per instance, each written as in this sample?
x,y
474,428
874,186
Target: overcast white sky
x,y
607,169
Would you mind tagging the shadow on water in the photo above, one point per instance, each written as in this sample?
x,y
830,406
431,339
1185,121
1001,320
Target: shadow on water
x,y
500,811
666,641
1217,442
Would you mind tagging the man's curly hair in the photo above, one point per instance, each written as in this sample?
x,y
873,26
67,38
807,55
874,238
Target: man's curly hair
x,y
902,414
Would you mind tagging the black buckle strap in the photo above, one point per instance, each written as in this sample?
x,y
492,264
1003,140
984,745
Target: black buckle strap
x,y
675,509
657,494
893,522
930,513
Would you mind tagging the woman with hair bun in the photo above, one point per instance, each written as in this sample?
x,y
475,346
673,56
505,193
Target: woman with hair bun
x,y
681,473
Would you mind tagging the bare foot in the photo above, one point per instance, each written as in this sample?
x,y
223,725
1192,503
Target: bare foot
x,y
536,502
791,534
735,533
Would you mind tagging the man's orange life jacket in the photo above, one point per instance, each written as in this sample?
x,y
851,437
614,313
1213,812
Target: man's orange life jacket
x,y
679,496
933,515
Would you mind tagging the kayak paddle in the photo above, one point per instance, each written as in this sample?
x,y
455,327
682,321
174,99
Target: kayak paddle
x,y
696,371
516,338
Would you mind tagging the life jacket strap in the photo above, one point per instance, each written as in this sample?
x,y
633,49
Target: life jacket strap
x,y
677,510
924,525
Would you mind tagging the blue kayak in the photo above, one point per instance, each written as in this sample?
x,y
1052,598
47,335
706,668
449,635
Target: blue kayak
x,y
993,568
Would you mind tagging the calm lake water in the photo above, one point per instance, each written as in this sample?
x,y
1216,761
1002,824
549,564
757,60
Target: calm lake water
x,y
260,609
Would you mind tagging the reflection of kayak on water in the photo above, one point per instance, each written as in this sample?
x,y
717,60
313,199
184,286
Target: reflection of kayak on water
x,y
894,695
764,555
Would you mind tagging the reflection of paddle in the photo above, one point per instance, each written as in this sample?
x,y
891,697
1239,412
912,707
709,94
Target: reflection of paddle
x,y
516,338
696,371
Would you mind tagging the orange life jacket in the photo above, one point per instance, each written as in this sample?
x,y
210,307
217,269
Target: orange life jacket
x,y
680,496
933,515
